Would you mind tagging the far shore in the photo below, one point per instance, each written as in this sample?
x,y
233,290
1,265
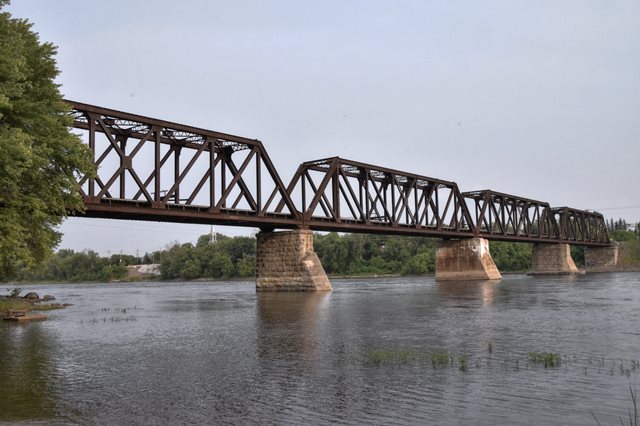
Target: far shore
x,y
242,279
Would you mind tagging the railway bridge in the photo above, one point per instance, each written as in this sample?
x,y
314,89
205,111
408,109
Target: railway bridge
x,y
155,170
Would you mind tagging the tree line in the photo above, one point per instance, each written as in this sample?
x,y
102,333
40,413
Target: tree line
x,y
234,257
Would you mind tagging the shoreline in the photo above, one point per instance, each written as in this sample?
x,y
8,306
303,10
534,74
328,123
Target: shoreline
x,y
330,276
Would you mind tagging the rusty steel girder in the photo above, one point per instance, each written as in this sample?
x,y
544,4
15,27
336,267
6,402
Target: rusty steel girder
x,y
151,169
500,215
509,217
580,226
344,195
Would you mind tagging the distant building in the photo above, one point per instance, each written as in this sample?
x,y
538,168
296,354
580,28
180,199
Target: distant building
x,y
143,271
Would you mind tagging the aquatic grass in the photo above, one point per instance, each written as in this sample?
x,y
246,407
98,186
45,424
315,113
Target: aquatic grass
x,y
517,361
127,319
383,356
549,359
119,310
437,358
463,363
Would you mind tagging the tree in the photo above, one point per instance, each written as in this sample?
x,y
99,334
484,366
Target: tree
x,y
40,159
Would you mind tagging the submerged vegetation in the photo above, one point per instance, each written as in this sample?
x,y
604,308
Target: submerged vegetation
x,y
435,359
549,359
442,358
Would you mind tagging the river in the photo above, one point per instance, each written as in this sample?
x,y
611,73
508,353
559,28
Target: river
x,y
374,351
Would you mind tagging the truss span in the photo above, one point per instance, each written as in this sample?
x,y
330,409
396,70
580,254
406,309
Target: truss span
x,y
149,169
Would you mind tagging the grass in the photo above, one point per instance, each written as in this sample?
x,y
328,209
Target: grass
x,y
549,359
437,359
463,363
451,359
14,304
18,304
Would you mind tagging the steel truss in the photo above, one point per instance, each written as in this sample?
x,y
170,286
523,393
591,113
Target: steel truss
x,y
345,195
234,183
149,169
508,217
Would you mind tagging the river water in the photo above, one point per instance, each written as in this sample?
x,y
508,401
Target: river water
x,y
374,351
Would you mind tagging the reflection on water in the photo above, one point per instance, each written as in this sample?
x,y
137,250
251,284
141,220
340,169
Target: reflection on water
x,y
209,353
288,324
469,290
27,375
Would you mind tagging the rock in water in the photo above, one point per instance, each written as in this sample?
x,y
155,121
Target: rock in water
x,y
32,296
47,297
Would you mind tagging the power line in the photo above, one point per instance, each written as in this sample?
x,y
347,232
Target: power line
x,y
618,208
141,228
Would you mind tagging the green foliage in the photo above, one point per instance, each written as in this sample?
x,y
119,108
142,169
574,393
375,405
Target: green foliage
x,y
620,230
67,265
39,158
349,254
226,258
577,254
629,256
622,235
511,256
357,254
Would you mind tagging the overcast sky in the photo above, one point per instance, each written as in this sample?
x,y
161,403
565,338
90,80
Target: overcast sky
x,y
535,98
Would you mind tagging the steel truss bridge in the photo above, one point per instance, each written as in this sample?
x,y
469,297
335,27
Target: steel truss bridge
x,y
155,170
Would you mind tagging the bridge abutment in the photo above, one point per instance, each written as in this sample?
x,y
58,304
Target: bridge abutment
x,y
552,259
285,261
601,259
468,259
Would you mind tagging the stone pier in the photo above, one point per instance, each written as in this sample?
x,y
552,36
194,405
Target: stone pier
x,y
601,259
552,259
469,259
285,261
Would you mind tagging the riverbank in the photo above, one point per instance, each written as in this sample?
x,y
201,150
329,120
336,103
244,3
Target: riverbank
x,y
633,269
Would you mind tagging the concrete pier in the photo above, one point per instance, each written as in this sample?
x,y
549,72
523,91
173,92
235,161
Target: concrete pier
x,y
601,259
552,259
469,259
285,261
